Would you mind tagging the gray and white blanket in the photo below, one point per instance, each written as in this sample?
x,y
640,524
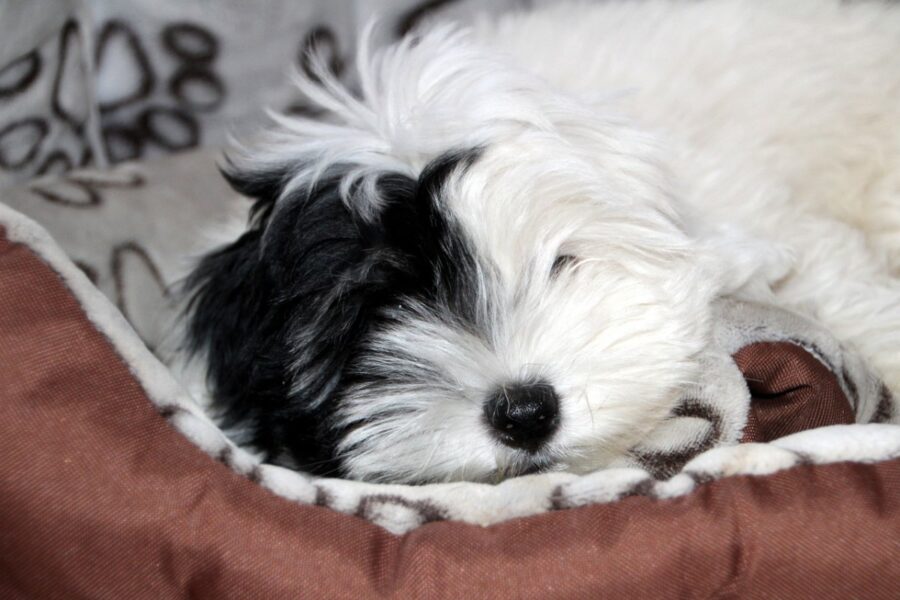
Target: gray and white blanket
x,y
95,82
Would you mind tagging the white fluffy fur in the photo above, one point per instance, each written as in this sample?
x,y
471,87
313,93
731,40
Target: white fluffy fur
x,y
781,123
679,150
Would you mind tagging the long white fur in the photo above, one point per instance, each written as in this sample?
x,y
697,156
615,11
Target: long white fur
x,y
781,121
679,150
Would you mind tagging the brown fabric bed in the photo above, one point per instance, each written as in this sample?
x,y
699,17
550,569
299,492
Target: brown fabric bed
x,y
102,498
114,484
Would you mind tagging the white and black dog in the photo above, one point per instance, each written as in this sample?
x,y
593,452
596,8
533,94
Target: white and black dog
x,y
500,255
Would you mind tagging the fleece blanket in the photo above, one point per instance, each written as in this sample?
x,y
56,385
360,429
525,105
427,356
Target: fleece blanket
x,y
93,82
130,232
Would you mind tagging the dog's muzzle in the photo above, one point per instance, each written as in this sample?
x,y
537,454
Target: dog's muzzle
x,y
523,415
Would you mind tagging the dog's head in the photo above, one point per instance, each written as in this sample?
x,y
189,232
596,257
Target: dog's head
x,y
460,275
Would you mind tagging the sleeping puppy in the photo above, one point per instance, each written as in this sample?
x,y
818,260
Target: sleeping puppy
x,y
499,256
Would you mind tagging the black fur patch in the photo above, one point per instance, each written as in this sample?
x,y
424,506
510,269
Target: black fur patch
x,y
440,262
280,315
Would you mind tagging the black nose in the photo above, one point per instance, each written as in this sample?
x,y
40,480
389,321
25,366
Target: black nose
x,y
523,415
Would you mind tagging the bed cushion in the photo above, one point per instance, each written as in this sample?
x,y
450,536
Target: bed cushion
x,y
114,483
103,497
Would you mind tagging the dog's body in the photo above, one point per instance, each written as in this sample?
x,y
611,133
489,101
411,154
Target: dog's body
x,y
502,257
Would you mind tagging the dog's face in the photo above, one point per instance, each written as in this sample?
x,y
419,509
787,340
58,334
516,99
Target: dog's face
x,y
525,301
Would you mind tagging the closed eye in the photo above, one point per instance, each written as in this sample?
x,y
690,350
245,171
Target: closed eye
x,y
562,261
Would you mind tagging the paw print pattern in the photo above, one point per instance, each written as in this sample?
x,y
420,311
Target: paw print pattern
x,y
85,189
322,41
143,110
194,84
18,75
120,55
413,17
44,93
318,41
20,142
71,108
701,429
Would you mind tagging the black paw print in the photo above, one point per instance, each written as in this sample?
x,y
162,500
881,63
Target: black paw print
x,y
193,86
22,141
318,41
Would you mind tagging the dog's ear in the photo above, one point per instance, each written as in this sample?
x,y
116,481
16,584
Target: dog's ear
x,y
277,312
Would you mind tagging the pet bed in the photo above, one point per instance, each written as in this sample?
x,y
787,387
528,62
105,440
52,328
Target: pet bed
x,y
777,476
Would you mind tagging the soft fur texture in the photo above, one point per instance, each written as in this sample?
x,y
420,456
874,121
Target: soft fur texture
x,y
553,200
